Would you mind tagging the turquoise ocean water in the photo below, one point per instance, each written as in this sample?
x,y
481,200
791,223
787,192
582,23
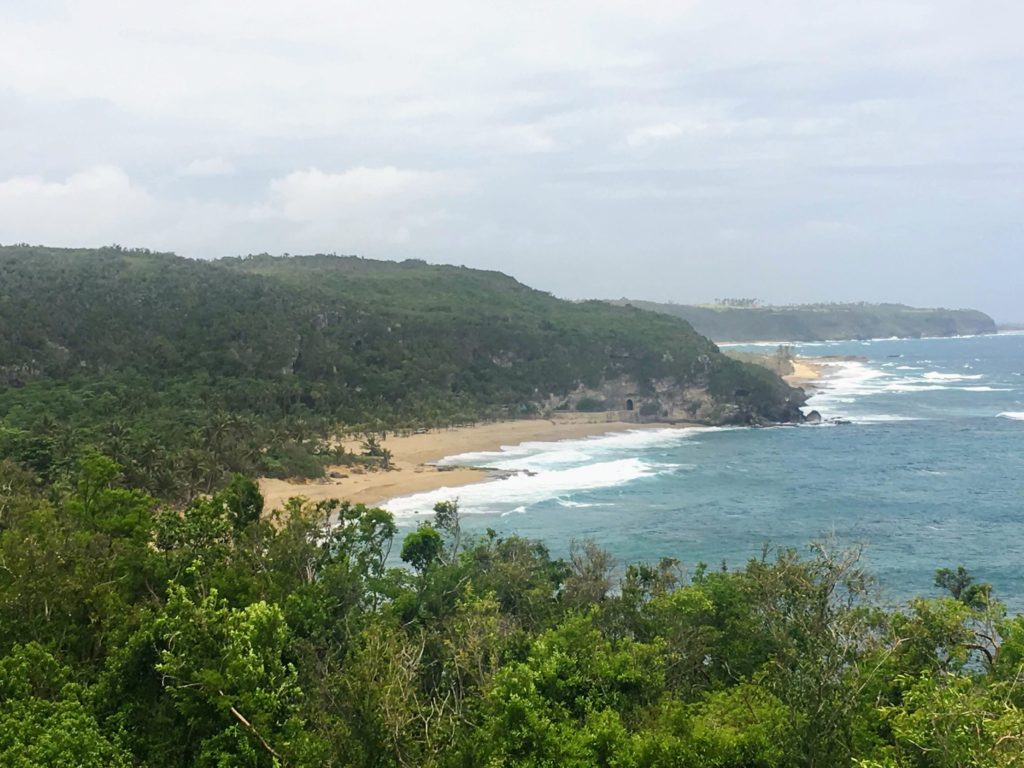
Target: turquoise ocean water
x,y
930,473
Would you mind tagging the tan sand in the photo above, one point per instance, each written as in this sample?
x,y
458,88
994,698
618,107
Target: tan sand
x,y
806,372
412,471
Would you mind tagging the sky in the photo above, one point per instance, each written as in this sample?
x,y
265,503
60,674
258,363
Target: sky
x,y
789,150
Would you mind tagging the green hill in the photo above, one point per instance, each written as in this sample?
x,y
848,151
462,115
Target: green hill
x,y
821,322
186,370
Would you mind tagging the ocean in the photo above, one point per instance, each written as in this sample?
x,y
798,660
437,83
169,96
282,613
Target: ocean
x,y
929,473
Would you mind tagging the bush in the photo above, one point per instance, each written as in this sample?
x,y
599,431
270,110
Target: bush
x,y
292,459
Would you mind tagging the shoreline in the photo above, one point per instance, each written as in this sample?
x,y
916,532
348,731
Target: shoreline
x,y
792,342
414,456
807,371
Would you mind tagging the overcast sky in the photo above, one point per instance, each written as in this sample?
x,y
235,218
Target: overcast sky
x,y
792,150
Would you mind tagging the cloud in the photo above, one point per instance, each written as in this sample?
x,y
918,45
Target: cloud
x,y
661,131
550,140
362,206
96,206
311,194
206,167
527,139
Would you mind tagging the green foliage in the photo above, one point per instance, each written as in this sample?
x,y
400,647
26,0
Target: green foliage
x,y
244,502
137,634
188,372
961,585
45,719
422,548
225,672
649,409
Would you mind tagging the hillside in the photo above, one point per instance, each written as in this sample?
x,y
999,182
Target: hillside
x,y
185,370
820,322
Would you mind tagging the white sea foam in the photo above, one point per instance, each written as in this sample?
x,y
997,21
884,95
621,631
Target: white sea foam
x,y
523,489
936,376
845,380
1015,415
571,504
848,382
881,418
913,386
549,470
539,456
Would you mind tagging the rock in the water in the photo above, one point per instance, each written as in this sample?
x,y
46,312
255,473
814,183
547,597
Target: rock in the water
x,y
812,418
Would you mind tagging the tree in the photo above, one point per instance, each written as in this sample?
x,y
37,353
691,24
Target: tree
x,y
422,547
44,718
961,585
448,521
591,570
243,500
225,670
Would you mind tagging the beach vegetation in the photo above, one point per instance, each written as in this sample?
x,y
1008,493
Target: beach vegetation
x,y
591,405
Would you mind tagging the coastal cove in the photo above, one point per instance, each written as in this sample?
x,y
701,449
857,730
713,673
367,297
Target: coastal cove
x,y
418,464
927,475
419,459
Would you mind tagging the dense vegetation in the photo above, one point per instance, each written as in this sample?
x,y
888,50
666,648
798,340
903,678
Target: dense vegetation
x,y
186,371
137,635
820,322
152,615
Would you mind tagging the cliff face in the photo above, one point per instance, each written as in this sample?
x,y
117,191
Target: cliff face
x,y
666,401
824,322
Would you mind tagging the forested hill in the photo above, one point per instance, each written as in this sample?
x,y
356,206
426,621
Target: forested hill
x,y
191,369
820,322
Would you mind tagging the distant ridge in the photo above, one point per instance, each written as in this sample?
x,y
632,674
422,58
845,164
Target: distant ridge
x,y
821,322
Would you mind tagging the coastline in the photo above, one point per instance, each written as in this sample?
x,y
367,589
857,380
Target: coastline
x,y
413,456
807,371
795,342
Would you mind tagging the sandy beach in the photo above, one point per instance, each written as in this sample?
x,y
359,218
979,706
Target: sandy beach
x,y
413,456
806,371
412,468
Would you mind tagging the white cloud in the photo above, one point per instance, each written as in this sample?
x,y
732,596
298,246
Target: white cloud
x,y
661,131
207,166
311,195
525,139
585,130
722,128
96,206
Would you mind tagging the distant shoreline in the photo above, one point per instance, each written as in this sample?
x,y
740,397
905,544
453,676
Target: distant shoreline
x,y
414,459
788,342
